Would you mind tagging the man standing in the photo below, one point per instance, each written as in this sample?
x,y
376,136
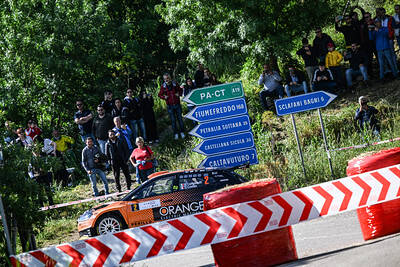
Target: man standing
x,y
358,65
170,91
84,119
135,114
102,123
108,102
350,30
381,37
118,155
310,60
320,44
89,161
123,131
199,76
295,81
272,88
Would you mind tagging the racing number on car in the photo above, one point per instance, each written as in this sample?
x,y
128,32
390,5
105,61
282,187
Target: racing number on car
x,y
206,179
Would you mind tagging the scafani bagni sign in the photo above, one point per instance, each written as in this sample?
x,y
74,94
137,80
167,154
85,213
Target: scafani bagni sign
x,y
300,103
224,125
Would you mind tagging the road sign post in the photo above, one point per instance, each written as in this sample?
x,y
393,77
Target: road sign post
x,y
301,103
213,94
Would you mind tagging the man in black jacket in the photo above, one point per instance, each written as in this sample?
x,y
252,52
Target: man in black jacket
x,y
320,44
310,60
358,65
102,123
295,81
323,79
118,154
351,31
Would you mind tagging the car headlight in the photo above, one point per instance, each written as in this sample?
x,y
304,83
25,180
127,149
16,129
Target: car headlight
x,y
85,216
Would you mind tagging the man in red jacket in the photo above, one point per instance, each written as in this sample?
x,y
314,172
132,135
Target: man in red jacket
x,y
170,91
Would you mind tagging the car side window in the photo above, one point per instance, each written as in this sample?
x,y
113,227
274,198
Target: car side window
x,y
195,180
164,185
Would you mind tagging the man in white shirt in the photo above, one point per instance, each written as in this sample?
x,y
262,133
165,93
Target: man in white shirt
x,y
272,88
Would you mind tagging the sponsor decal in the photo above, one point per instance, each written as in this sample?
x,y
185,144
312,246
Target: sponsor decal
x,y
155,203
175,211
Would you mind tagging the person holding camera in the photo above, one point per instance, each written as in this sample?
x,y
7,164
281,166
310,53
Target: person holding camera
x,y
142,158
270,79
350,30
295,81
365,116
381,37
323,79
91,162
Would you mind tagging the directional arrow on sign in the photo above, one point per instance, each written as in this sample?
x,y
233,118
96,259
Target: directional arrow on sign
x,y
225,144
232,159
304,102
222,127
215,93
218,110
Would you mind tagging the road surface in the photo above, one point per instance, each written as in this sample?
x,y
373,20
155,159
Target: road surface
x,y
331,241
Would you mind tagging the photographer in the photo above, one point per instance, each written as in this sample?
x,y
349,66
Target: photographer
x,y
91,162
365,115
272,88
351,31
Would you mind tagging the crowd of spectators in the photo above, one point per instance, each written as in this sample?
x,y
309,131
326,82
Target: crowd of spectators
x,y
323,62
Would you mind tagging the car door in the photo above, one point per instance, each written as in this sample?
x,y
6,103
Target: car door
x,y
149,199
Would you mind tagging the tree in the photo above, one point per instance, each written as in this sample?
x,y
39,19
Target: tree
x,y
244,30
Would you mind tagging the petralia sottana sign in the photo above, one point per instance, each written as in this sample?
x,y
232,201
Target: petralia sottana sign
x,y
222,127
304,102
212,94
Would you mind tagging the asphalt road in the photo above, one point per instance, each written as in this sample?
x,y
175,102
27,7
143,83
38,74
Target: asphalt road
x,y
331,241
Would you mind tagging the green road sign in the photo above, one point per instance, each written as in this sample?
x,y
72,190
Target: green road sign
x,y
215,93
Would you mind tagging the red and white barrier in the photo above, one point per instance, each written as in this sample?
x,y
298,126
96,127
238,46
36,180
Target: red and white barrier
x,y
223,224
366,145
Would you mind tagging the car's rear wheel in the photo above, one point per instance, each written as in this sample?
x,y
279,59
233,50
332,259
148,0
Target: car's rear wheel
x,y
109,223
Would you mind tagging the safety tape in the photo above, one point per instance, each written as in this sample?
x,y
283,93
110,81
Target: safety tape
x,y
366,145
83,201
222,224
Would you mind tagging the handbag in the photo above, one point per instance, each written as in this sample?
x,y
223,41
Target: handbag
x,y
153,161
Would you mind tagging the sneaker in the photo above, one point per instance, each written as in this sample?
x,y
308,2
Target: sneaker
x,y
182,135
176,137
150,142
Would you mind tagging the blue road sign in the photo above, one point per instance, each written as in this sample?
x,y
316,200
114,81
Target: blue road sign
x,y
302,103
218,110
225,144
231,159
222,127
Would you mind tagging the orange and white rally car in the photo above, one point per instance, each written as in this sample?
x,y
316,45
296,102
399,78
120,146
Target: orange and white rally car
x,y
164,196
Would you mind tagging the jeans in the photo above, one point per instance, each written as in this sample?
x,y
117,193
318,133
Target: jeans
x,y
278,92
142,175
310,73
296,88
83,137
325,85
135,124
350,73
386,54
175,113
103,177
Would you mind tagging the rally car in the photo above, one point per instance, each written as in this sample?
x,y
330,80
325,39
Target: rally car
x,y
164,196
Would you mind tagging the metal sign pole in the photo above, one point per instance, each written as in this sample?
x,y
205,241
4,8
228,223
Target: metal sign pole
x,y
325,141
298,145
7,234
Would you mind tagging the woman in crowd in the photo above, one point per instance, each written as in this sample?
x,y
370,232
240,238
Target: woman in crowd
x,y
149,116
141,158
120,111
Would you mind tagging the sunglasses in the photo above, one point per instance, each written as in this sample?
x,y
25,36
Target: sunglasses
x,y
78,105
100,109
318,32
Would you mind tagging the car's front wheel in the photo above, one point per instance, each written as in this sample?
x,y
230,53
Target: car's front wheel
x,y
109,223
